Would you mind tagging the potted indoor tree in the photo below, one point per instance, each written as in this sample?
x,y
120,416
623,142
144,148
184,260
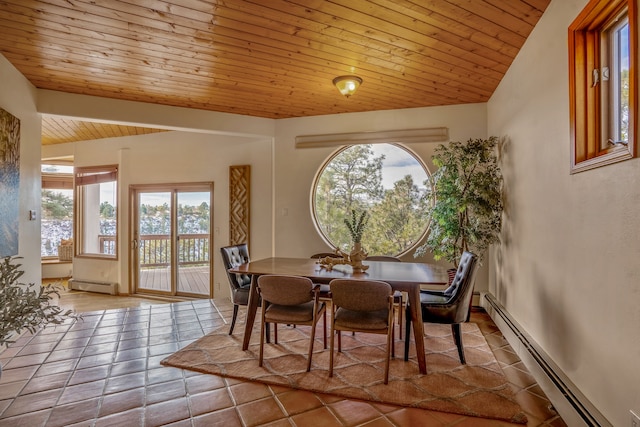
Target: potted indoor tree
x,y
25,307
466,204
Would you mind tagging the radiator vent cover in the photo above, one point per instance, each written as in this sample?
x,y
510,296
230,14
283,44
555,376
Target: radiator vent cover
x,y
93,286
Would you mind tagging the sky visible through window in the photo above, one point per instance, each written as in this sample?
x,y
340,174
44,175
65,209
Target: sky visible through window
x,y
386,181
397,164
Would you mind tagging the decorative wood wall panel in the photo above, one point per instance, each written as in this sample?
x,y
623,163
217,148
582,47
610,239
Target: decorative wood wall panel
x,y
239,204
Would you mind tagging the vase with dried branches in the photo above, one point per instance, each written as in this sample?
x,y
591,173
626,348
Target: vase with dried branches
x,y
356,226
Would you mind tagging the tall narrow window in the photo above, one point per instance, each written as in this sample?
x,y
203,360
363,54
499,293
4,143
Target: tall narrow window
x,y
57,209
615,79
602,59
97,214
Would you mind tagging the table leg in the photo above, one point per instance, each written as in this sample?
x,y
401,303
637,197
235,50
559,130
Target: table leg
x,y
418,327
252,308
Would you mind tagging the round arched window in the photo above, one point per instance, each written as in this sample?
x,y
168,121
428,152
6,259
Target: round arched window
x,y
388,182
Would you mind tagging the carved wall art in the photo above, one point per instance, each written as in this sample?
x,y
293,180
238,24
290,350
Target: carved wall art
x,y
239,204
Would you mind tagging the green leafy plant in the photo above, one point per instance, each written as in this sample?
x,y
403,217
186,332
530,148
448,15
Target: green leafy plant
x,y
26,306
466,206
356,225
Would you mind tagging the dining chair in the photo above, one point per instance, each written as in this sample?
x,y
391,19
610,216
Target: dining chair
x,y
240,284
450,306
398,298
291,300
362,306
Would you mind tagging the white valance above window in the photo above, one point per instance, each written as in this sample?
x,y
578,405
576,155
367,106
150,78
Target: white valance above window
x,y
439,134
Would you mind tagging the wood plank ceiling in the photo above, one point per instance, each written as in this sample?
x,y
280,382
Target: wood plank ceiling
x,y
265,58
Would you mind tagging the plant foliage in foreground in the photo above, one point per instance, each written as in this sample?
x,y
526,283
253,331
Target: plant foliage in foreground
x,y
26,306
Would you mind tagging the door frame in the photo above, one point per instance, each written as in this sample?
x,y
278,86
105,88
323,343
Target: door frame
x,y
173,188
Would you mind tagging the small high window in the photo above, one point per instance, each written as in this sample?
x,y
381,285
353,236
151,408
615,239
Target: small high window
x,y
602,63
97,214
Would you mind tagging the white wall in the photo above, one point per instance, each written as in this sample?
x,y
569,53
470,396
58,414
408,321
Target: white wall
x,y
568,269
282,176
295,169
18,97
178,157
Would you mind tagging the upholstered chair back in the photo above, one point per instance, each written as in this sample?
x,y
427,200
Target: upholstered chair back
x,y
356,296
233,256
455,307
285,290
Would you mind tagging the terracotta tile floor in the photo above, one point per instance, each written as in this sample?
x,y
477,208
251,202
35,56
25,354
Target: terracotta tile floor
x,y
105,371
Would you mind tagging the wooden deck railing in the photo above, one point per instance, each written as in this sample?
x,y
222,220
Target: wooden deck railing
x,y
155,249
107,244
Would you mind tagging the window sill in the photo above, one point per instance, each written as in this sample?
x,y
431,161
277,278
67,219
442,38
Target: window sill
x,y
51,261
618,155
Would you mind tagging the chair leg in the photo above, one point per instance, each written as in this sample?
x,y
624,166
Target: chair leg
x,y
393,339
233,318
267,332
275,333
389,351
333,335
391,344
400,306
324,328
312,339
262,334
457,337
407,333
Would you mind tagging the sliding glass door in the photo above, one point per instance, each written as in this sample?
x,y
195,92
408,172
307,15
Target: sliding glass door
x,y
194,232
171,239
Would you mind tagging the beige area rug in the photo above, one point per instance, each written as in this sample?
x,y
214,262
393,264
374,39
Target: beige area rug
x,y
478,388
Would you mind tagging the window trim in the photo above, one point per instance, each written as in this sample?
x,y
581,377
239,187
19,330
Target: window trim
x,y
329,159
56,181
52,181
586,109
101,174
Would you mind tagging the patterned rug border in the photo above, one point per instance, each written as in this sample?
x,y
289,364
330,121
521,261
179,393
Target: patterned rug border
x,y
477,389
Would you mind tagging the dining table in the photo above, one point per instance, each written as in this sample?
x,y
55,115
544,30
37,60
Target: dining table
x,y
402,276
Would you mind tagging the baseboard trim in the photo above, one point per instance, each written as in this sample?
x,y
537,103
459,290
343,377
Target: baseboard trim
x,y
93,286
574,408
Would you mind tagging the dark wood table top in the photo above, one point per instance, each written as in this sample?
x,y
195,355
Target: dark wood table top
x,y
398,274
402,276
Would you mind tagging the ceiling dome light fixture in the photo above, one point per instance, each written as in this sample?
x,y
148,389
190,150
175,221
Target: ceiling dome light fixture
x,y
347,85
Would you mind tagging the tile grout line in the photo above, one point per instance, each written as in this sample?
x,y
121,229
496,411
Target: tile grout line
x,y
183,337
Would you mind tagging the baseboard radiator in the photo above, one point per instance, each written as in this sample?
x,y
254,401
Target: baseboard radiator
x,y
574,408
93,286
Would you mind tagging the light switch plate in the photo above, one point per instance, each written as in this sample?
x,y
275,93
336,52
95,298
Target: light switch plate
x,y
32,215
